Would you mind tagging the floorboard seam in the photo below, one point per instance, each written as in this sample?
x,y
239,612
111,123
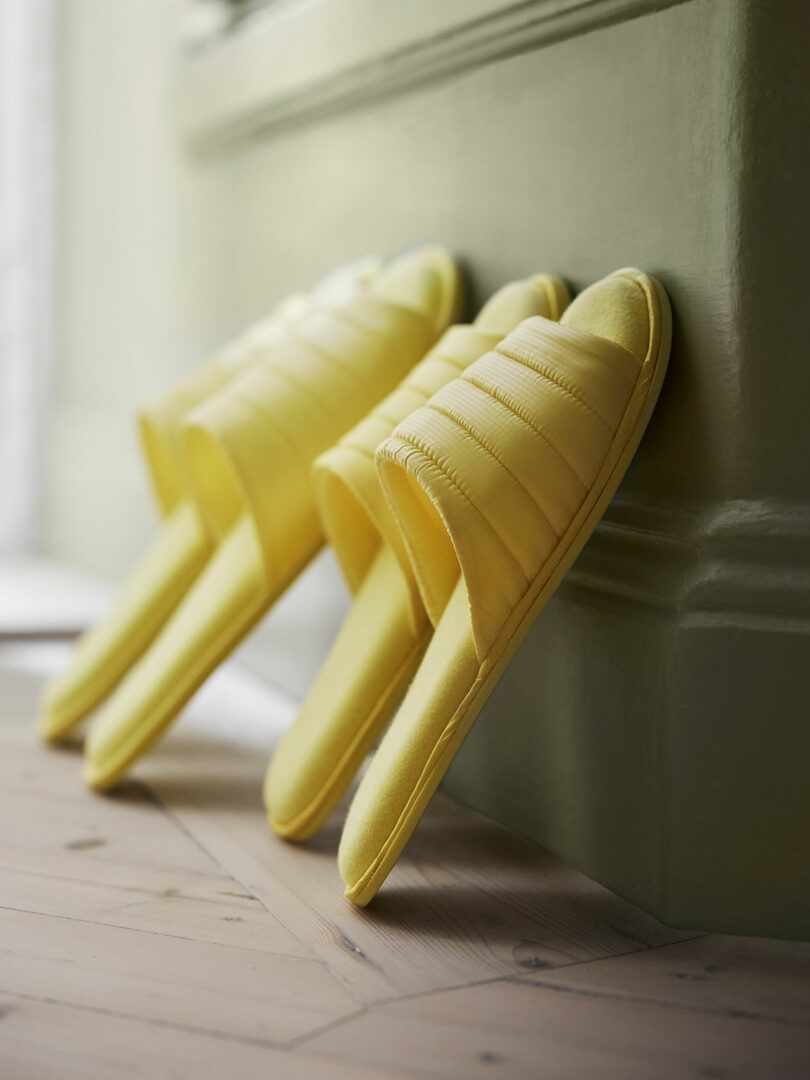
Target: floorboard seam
x,y
640,950
301,1040
136,888
162,933
400,1070
184,829
730,1012
153,797
520,980
226,870
215,1033
160,867
438,990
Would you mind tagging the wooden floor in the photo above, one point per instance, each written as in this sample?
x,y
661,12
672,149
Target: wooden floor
x,y
163,931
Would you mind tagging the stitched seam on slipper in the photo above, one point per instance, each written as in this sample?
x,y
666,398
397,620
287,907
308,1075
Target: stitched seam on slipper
x,y
473,435
413,442
450,361
498,396
544,373
331,359
646,364
425,394
415,556
378,415
390,337
358,449
285,376
341,315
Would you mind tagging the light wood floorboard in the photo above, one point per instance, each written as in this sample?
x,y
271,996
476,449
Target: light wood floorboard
x,y
524,1032
163,931
46,1041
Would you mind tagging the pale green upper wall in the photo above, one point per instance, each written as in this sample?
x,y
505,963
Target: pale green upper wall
x,y
140,269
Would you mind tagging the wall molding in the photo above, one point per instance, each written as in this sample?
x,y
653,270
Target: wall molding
x,y
739,563
314,58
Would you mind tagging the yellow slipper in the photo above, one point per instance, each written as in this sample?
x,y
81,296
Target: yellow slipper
x,y
496,484
384,635
183,543
249,452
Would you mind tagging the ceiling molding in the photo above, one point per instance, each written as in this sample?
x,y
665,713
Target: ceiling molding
x,y
304,60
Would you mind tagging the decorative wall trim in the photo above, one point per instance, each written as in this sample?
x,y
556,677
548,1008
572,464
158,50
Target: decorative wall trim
x,y
741,563
302,61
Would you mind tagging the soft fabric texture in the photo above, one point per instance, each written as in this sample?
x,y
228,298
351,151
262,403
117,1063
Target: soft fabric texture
x,y
183,543
249,451
496,483
382,639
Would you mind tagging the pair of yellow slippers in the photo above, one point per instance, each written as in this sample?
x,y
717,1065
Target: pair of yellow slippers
x,y
457,470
